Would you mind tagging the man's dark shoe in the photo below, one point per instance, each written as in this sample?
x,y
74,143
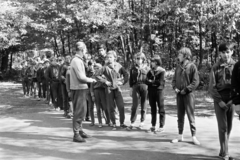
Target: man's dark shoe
x,y
84,135
78,138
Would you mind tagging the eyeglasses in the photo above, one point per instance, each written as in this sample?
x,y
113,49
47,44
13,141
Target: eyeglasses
x,y
138,58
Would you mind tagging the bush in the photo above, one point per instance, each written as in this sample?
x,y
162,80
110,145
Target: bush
x,y
11,75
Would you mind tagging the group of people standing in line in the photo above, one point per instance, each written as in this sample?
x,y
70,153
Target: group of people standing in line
x,y
86,82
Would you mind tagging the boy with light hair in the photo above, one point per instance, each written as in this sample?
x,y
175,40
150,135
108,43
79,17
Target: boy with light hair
x,y
184,83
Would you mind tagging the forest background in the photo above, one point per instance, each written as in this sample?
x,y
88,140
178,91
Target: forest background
x,y
30,28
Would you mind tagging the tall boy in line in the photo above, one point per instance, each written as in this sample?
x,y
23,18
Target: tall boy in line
x,y
156,83
220,90
111,72
185,81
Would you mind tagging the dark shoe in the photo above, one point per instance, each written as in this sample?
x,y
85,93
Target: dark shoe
x,y
123,126
78,138
226,157
152,129
84,135
69,115
87,119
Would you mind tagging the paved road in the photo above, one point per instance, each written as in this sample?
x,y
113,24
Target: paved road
x,y
29,130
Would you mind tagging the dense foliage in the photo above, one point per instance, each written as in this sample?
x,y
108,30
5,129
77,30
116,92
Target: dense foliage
x,y
127,26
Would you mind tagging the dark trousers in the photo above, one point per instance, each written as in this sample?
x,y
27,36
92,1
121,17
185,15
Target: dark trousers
x,y
56,89
115,96
101,105
65,98
186,103
44,88
224,120
40,89
79,108
139,91
28,83
48,91
90,107
25,86
156,99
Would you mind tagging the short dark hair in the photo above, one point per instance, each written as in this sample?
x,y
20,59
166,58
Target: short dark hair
x,y
225,46
157,59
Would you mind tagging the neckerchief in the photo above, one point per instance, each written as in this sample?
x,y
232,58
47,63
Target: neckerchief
x,y
139,70
226,71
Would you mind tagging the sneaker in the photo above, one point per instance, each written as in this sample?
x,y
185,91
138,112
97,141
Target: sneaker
x,y
114,127
179,139
57,109
141,125
195,141
100,125
38,99
159,130
152,129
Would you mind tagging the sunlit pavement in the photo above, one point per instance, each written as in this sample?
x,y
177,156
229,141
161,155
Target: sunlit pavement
x,y
48,135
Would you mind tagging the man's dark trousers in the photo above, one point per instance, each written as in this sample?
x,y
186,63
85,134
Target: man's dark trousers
x,y
186,103
79,108
113,96
224,119
139,91
156,99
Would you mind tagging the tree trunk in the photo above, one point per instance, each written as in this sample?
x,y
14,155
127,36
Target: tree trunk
x,y
124,52
63,43
69,43
11,61
129,47
200,51
56,50
4,66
